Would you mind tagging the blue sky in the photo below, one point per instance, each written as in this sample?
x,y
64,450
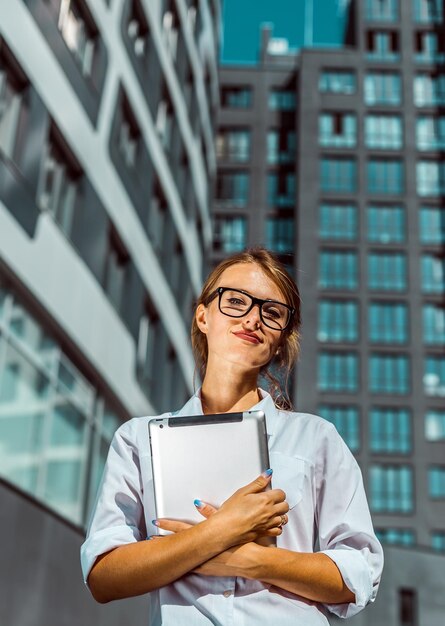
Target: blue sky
x,y
242,19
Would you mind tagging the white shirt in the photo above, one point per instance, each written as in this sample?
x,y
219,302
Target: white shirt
x,y
328,513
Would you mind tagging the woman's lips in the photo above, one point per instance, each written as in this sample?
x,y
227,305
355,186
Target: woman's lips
x,y
251,337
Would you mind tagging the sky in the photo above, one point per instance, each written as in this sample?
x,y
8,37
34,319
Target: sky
x,y
242,19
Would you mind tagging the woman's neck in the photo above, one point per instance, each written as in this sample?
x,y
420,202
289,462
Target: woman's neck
x,y
228,396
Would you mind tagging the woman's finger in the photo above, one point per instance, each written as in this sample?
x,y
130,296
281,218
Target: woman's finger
x,y
206,510
172,525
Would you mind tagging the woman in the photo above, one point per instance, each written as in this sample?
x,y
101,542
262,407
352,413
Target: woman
x,y
217,572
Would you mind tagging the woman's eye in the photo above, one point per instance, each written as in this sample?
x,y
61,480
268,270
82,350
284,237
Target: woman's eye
x,y
274,313
236,301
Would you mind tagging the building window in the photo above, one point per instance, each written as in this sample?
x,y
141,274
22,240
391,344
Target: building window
x,y
434,377
338,175
385,176
388,323
430,133
338,270
436,482
383,131
382,45
386,224
137,29
430,178
338,222
59,182
383,88
387,272
129,137
233,145
428,11
146,354
164,120
232,189
79,32
337,81
170,27
428,47
435,425
389,374
236,97
280,235
396,536
438,540
338,372
391,489
407,607
116,270
382,10
429,90
281,146
433,274
230,233
390,431
52,417
337,321
12,112
281,191
282,100
338,130
346,420
432,225
433,325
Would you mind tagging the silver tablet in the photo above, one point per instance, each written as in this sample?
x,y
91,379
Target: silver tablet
x,y
204,457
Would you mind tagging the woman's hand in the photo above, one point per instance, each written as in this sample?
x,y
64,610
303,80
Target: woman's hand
x,y
235,561
250,513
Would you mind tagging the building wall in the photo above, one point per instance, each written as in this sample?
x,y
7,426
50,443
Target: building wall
x,y
107,165
387,419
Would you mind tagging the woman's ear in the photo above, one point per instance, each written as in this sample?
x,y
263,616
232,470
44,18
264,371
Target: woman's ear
x,y
201,318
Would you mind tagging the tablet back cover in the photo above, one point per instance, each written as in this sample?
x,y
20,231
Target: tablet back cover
x,y
205,457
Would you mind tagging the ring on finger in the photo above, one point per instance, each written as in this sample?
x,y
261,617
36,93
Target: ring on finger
x,y
284,521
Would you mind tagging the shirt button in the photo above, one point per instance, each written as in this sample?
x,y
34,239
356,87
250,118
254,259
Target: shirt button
x,y
227,593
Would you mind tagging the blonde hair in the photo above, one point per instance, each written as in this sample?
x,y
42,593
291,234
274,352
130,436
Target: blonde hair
x,y
288,350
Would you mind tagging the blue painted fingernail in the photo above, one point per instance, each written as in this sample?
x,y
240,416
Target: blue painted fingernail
x,y
268,472
197,503
155,522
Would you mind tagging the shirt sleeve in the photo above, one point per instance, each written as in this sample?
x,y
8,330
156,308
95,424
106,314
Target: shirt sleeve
x,y
346,534
118,517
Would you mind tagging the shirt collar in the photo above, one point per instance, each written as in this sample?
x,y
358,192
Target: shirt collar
x,y
193,406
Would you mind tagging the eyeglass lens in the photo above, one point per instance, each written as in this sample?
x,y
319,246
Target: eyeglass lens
x,y
236,304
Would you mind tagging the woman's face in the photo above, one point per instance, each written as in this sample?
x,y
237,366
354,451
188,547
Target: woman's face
x,y
246,340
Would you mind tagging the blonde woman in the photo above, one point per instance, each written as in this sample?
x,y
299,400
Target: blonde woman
x,y
327,557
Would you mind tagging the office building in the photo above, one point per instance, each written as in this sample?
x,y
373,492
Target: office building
x,y
107,163
334,159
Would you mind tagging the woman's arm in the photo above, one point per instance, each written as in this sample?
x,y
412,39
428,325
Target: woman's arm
x,y
140,567
311,575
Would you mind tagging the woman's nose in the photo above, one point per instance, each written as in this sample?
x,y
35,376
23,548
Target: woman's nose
x,y
253,316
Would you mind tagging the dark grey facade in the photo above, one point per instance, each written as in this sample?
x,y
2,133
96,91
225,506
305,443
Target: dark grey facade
x,y
107,164
362,226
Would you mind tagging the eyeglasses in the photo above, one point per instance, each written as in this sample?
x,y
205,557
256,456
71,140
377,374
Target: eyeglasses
x,y
237,303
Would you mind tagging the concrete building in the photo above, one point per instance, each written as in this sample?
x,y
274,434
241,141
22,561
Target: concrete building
x,y
107,163
333,158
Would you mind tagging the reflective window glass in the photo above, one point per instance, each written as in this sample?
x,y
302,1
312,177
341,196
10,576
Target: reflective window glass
x,y
391,489
390,431
346,420
338,371
388,322
337,321
389,374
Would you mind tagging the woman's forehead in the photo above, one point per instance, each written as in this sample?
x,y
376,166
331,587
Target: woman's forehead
x,y
252,278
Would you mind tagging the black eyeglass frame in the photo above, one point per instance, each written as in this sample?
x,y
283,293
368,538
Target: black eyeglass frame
x,y
220,290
